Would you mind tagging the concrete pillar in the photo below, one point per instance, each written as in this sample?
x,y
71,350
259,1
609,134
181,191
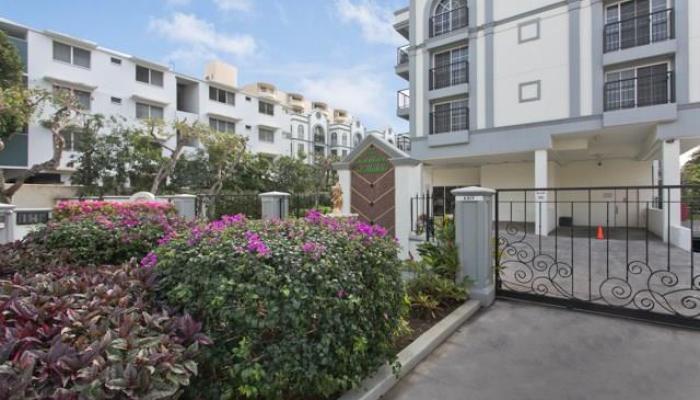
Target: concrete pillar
x,y
475,241
409,177
345,182
542,216
185,204
275,205
7,223
671,176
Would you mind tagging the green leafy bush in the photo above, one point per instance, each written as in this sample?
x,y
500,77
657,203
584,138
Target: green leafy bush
x,y
98,232
297,309
92,333
432,286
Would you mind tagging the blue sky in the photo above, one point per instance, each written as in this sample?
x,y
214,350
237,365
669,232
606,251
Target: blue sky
x,y
339,51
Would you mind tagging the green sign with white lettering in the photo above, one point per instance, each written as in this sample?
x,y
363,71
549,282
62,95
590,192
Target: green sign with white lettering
x,y
372,161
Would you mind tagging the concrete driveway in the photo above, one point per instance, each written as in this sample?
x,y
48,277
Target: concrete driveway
x,y
518,351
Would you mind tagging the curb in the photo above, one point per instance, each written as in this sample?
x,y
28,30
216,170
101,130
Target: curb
x,y
384,379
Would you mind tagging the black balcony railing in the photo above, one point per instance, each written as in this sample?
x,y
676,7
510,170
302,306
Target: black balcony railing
x,y
402,55
642,91
450,120
639,31
404,143
447,22
449,75
403,100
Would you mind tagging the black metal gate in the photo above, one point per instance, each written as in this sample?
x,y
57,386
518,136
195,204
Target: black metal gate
x,y
605,249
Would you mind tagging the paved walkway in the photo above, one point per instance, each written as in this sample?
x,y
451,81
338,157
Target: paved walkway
x,y
518,351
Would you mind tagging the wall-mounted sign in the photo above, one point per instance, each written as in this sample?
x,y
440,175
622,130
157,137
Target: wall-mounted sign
x,y
371,161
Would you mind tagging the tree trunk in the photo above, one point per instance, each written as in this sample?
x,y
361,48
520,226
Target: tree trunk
x,y
166,169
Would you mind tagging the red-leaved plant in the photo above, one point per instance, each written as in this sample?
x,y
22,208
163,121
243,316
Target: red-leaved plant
x,y
92,333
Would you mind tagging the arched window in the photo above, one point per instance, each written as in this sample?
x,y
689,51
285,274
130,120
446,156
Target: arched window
x,y
449,15
345,139
300,132
334,139
319,135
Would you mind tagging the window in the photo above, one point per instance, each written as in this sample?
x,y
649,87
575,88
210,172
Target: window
x,y
449,15
222,96
300,132
266,135
319,135
116,100
222,126
266,108
345,139
450,68
301,152
358,138
334,139
449,117
148,111
639,87
82,97
70,54
74,138
115,61
150,76
636,23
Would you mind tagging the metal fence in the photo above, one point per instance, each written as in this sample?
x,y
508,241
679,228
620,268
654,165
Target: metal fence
x,y
212,207
607,249
428,211
640,30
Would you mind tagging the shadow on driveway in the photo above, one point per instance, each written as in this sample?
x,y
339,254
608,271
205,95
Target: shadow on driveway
x,y
519,351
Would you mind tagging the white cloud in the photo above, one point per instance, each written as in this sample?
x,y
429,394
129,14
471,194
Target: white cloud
x,y
359,90
234,5
176,3
201,36
375,22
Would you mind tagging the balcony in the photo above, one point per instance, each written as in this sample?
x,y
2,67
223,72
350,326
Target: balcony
x,y
402,62
449,75
449,21
455,119
401,21
639,31
403,143
642,91
403,104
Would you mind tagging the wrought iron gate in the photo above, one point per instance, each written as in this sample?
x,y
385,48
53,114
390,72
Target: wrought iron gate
x,y
606,249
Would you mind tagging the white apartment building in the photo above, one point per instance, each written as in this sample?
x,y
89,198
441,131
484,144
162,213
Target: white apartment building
x,y
549,94
113,83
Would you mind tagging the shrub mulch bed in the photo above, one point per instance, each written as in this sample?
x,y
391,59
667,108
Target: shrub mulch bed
x,y
420,325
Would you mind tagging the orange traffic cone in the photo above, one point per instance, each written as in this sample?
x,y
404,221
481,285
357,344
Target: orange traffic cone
x,y
600,235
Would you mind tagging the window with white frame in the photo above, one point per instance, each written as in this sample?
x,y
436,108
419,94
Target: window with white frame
x,y
71,54
148,111
300,131
301,151
222,96
450,68
448,16
82,97
639,87
633,23
451,116
149,76
266,135
74,138
266,108
222,125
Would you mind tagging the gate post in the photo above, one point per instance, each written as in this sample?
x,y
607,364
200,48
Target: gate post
x,y
7,223
275,205
475,241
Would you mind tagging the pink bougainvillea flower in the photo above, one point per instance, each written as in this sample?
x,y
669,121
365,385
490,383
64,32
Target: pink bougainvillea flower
x,y
150,260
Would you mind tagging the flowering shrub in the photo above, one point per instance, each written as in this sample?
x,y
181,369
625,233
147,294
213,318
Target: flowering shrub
x,y
92,333
296,309
98,232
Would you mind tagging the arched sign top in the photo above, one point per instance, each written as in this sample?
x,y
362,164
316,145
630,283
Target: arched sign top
x,y
371,161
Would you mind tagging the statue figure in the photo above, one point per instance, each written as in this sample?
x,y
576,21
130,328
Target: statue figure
x,y
337,199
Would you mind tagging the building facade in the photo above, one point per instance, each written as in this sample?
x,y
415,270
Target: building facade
x,y
549,93
112,83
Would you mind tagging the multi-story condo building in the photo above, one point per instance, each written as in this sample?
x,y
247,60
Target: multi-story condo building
x,y
549,93
116,84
